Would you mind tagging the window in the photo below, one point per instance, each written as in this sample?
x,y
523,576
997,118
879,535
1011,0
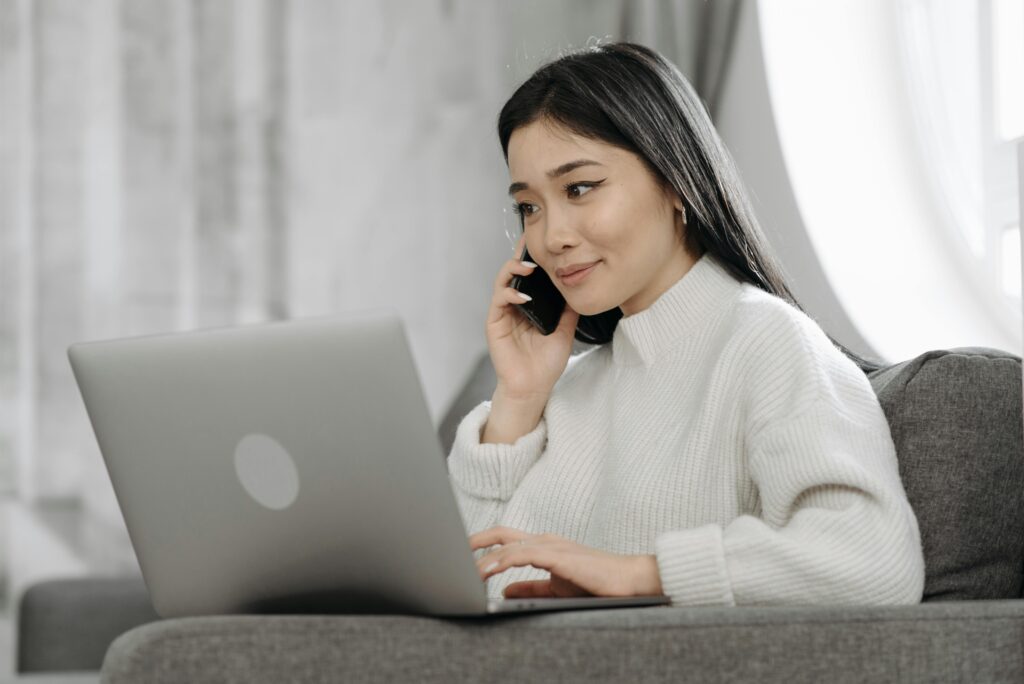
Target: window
x,y
964,65
879,112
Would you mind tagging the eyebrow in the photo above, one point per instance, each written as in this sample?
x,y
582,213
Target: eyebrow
x,y
555,173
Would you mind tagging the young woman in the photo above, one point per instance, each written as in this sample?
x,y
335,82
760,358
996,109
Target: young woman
x,y
715,446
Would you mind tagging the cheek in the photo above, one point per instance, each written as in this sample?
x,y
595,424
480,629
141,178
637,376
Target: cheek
x,y
537,255
612,242
604,232
615,225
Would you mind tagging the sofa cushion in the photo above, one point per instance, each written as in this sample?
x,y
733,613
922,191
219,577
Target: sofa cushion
x,y
956,641
955,417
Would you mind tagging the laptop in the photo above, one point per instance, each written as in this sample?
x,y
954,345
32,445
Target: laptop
x,y
286,467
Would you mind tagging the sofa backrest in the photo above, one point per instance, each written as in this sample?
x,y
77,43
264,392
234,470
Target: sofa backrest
x,y
955,417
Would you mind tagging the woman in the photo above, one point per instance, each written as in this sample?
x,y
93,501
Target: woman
x,y
716,446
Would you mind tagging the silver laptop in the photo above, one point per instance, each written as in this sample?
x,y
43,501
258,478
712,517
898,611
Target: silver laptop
x,y
286,467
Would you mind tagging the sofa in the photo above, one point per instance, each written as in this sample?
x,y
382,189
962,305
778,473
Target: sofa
x,y
955,417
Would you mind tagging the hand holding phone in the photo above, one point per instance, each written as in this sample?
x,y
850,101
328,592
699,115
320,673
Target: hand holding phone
x,y
545,308
527,360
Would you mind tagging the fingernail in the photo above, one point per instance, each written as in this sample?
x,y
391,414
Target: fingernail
x,y
491,566
525,296
529,264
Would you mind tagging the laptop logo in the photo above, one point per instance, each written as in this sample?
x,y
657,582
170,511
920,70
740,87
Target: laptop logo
x,y
267,471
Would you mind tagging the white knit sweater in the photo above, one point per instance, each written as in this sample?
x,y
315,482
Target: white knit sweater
x,y
722,431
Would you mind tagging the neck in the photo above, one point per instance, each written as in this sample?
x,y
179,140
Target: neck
x,y
678,266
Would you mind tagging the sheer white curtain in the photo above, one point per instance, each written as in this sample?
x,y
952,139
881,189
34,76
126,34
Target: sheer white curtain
x,y
964,65
940,41
171,164
142,191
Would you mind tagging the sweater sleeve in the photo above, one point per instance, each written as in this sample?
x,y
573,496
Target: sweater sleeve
x,y
484,476
835,524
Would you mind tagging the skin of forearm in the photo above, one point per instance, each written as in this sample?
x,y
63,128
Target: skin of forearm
x,y
511,418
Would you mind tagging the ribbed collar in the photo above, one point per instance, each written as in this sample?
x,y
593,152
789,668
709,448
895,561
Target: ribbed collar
x,y
679,313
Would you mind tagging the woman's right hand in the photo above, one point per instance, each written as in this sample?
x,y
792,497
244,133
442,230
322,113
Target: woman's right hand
x,y
526,362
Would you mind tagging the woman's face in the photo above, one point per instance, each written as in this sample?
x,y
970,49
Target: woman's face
x,y
609,209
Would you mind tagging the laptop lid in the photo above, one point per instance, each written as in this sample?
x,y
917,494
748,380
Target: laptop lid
x,y
260,468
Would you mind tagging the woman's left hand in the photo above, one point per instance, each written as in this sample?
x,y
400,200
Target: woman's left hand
x,y
576,570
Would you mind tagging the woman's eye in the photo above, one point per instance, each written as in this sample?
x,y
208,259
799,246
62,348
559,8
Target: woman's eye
x,y
570,187
522,208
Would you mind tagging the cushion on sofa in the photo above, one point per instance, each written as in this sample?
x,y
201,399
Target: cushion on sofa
x,y
954,641
955,417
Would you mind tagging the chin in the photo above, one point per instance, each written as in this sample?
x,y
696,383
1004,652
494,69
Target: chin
x,y
589,308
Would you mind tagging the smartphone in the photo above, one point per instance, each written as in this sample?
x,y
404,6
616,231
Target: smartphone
x,y
545,309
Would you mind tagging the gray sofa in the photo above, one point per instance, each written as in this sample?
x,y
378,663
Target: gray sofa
x,y
955,416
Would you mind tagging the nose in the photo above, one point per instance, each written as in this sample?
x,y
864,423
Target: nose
x,y
560,232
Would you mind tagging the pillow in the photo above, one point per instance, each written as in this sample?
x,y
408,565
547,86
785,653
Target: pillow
x,y
955,417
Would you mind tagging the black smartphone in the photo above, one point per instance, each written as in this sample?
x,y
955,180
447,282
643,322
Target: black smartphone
x,y
547,305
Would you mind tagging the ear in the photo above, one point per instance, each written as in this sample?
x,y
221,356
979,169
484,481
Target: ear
x,y
677,201
677,204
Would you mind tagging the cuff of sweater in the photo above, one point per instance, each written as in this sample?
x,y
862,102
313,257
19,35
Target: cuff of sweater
x,y
692,567
492,471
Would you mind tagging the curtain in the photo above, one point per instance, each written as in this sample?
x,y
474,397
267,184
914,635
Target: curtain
x,y
173,164
696,35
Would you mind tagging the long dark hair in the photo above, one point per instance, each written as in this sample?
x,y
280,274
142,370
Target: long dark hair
x,y
629,96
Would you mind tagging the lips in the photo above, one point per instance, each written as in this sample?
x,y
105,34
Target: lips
x,y
573,268
575,279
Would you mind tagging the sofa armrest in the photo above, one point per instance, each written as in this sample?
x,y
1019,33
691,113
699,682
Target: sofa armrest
x,y
68,624
941,641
